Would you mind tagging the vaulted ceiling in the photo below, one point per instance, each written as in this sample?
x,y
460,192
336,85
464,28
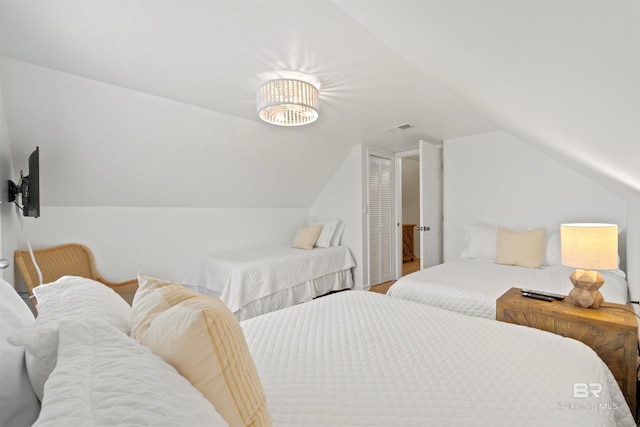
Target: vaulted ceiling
x,y
152,103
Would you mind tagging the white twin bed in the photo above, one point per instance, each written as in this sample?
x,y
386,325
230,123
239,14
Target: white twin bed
x,y
260,280
472,284
348,359
255,281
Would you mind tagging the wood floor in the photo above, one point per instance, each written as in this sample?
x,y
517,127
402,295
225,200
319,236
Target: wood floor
x,y
411,266
407,268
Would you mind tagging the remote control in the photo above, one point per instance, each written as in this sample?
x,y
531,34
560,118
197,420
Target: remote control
x,y
536,296
546,294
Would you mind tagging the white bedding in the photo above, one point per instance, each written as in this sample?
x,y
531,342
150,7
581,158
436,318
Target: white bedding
x,y
260,276
105,378
471,286
361,359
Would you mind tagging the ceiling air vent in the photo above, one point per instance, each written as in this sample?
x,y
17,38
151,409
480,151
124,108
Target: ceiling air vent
x,y
403,126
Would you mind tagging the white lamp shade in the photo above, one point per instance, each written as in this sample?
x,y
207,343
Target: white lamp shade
x,y
589,246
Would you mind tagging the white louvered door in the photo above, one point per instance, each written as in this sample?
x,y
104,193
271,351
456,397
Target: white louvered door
x,y
379,220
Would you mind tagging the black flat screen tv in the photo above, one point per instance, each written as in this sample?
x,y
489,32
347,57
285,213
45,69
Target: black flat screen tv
x,y
28,187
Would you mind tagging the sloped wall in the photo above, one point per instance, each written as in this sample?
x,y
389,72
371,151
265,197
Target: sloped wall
x,y
150,183
497,179
103,145
342,198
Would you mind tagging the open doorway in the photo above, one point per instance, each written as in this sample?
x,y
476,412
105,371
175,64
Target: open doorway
x,y
418,217
410,203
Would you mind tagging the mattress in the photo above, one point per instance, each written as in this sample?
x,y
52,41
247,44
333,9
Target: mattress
x,y
359,358
261,275
471,286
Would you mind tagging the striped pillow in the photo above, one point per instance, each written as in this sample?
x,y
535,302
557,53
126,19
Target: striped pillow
x,y
520,248
201,338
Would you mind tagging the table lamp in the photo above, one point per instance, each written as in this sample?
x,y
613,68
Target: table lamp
x,y
588,247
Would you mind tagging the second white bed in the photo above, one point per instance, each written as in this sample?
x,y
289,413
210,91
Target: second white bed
x,y
471,286
260,280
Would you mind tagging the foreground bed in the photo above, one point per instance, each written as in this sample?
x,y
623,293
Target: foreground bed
x,y
260,280
349,359
471,286
359,358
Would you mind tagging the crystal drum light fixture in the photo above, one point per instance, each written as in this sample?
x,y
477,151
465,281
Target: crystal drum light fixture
x,y
288,102
588,247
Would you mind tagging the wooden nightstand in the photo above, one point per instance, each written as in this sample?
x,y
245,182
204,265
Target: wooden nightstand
x,y
611,331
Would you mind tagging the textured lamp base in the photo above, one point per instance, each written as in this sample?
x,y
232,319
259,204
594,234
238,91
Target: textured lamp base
x,y
585,292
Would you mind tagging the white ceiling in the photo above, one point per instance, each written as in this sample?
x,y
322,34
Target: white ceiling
x,y
561,75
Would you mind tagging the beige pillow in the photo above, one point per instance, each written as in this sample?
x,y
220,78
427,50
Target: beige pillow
x,y
521,248
201,339
307,236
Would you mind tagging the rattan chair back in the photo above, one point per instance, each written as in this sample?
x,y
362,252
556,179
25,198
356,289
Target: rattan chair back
x,y
66,260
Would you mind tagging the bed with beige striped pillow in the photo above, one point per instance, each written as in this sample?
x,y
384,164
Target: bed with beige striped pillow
x,y
200,337
520,248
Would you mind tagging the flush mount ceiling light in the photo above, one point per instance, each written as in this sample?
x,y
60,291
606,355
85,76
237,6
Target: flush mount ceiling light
x,y
288,102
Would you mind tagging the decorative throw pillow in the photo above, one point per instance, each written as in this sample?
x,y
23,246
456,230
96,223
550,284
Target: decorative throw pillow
x,y
200,337
520,248
106,378
307,236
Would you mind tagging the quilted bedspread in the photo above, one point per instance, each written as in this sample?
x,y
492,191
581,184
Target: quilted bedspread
x,y
358,358
472,286
245,276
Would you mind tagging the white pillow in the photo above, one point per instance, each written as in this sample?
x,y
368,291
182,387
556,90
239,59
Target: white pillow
x,y
69,297
327,233
337,236
482,241
552,250
103,377
19,404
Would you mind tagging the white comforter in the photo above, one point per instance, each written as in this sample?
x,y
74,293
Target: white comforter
x,y
362,359
241,277
471,286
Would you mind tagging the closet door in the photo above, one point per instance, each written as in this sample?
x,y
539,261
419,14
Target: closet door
x,y
379,220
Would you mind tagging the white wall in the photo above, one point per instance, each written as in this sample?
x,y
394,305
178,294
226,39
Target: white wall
x,y
162,242
633,247
166,241
150,183
497,179
8,230
342,198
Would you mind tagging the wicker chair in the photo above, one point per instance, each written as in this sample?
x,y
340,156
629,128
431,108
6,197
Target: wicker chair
x,y
66,260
